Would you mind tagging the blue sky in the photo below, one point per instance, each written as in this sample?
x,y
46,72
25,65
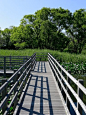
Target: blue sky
x,y
12,11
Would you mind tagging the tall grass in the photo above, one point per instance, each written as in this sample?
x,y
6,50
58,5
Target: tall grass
x,y
61,56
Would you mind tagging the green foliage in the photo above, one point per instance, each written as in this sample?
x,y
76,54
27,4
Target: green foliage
x,y
63,41
21,36
62,18
60,56
75,68
77,30
20,45
48,28
41,30
72,47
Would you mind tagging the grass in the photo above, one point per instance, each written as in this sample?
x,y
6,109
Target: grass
x,y
61,56
25,52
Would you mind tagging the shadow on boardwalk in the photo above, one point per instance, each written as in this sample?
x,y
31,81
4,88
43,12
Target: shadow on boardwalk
x,y
37,99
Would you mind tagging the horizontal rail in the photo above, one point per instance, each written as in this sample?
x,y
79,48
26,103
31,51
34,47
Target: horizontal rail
x,y
12,62
55,65
68,96
70,76
41,56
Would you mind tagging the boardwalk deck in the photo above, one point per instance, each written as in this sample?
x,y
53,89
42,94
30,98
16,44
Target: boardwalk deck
x,y
7,71
42,95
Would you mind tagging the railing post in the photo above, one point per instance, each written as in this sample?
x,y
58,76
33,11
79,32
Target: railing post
x,y
4,67
67,101
80,94
31,62
61,81
4,93
23,60
10,62
55,74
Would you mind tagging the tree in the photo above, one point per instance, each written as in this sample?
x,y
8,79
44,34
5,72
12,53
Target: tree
x,y
47,35
17,38
2,41
78,30
61,18
43,14
62,41
6,33
21,36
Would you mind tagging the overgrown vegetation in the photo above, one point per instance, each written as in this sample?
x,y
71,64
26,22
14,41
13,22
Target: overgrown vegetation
x,y
74,62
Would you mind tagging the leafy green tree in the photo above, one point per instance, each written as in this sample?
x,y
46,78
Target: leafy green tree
x,y
6,37
62,41
61,18
78,30
43,14
47,35
21,36
46,23
17,37
28,36
1,40
28,19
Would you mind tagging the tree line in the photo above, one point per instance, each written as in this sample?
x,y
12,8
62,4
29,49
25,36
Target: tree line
x,y
55,29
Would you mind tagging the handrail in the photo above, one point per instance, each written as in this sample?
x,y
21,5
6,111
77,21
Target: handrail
x,y
41,56
55,65
19,79
11,62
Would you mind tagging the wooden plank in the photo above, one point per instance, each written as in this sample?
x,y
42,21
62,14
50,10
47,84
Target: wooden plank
x,y
7,71
42,96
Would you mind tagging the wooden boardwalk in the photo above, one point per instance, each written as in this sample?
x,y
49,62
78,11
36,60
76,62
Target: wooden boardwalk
x,y
42,96
7,71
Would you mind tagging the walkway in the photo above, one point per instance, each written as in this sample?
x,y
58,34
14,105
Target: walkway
x,y
42,96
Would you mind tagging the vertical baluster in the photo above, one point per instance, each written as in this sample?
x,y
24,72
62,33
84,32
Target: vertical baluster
x,y
31,63
61,81
23,59
10,63
80,94
4,67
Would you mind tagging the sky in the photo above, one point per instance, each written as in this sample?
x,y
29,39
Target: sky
x,y
12,11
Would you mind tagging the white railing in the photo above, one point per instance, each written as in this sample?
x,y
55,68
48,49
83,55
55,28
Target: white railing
x,y
65,86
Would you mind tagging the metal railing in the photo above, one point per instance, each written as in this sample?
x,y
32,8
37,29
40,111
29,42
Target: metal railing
x,y
41,56
64,79
11,62
11,90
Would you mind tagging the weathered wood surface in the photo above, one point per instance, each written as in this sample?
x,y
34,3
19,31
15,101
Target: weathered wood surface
x,y
42,96
8,71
